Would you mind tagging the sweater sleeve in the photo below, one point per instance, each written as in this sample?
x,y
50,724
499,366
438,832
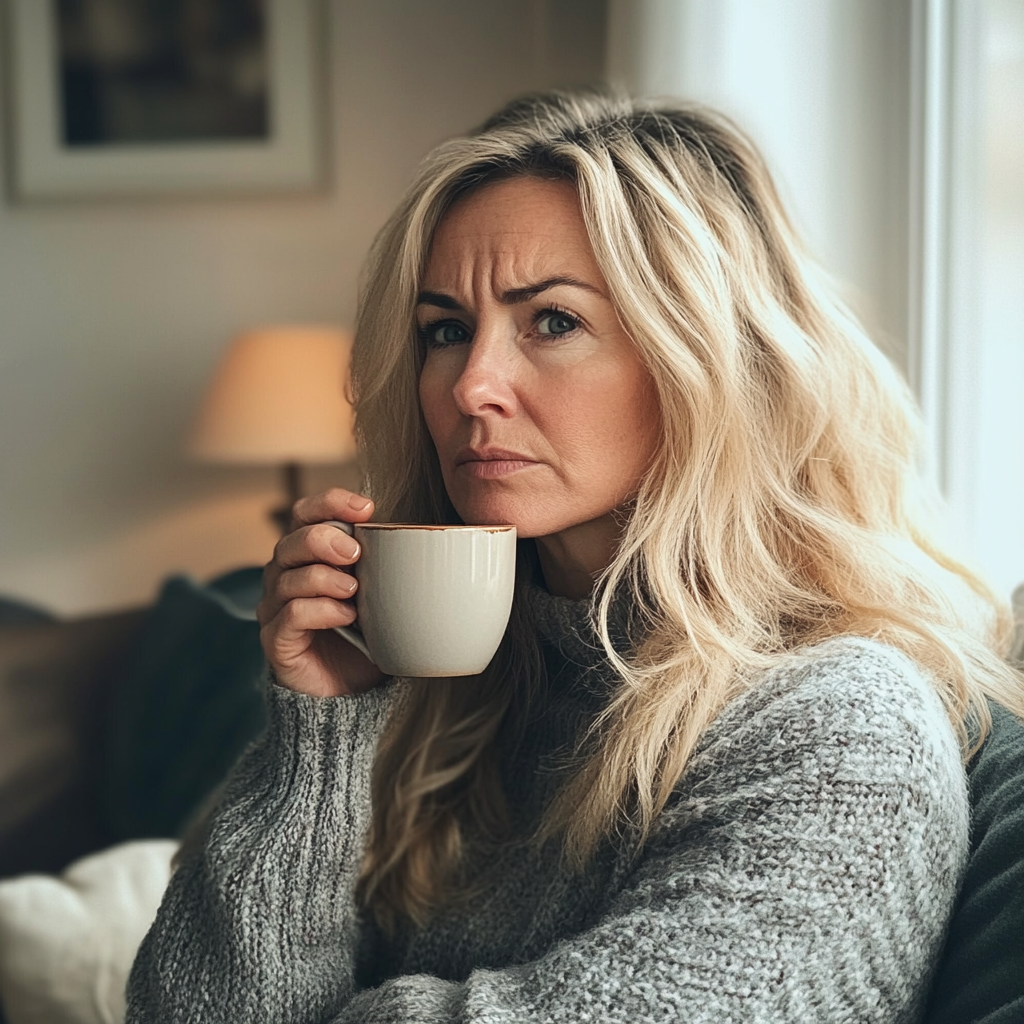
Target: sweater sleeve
x,y
260,924
806,873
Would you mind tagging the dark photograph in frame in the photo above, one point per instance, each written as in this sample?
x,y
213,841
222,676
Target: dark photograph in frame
x,y
122,99
157,71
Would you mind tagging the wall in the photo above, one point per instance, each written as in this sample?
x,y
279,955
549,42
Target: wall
x,y
113,314
822,87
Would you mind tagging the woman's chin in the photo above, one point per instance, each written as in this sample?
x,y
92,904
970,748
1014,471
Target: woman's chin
x,y
526,521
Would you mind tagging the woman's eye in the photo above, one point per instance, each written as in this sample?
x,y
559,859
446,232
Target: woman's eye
x,y
446,333
555,323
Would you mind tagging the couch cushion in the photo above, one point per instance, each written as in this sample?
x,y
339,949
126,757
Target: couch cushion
x,y
67,944
19,613
980,979
184,705
53,684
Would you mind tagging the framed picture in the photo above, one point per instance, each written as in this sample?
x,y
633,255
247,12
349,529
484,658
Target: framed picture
x,y
163,97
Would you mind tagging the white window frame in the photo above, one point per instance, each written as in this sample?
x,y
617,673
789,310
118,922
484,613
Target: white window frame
x,y
945,109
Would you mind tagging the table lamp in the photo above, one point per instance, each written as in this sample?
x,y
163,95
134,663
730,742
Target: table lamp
x,y
279,397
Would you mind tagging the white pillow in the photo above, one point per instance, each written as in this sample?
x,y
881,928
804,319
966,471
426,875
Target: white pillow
x,y
67,944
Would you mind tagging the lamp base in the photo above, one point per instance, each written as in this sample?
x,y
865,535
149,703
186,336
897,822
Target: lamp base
x,y
281,516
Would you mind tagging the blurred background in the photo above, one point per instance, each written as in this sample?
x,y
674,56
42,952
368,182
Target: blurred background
x,y
172,183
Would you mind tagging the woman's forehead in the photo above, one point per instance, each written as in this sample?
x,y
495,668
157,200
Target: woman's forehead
x,y
508,229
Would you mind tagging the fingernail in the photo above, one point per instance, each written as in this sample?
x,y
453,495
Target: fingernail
x,y
346,546
350,586
358,502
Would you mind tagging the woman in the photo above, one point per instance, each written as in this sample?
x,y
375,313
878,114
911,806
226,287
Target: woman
x,y
714,771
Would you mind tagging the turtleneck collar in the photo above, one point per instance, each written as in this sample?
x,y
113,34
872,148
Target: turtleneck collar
x,y
568,625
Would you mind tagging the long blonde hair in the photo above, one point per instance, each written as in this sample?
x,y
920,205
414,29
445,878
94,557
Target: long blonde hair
x,y
781,509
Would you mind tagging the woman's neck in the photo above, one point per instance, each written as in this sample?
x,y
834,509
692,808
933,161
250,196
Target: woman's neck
x,y
572,558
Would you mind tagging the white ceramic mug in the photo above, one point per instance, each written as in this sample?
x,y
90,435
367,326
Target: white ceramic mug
x,y
432,600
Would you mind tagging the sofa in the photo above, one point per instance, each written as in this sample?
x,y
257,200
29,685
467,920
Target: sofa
x,y
116,729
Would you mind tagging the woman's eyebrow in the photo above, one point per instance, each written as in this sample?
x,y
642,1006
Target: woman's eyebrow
x,y
531,291
511,297
438,299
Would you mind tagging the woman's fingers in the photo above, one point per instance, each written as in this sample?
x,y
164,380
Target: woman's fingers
x,y
307,593
299,617
307,581
314,540
337,503
318,543
308,657
288,636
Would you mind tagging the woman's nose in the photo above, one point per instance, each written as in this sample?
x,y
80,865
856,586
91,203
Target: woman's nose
x,y
486,383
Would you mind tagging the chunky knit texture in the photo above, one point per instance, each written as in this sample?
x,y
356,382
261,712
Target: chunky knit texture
x,y
804,871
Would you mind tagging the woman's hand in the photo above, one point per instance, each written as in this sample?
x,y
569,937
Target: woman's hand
x,y
306,592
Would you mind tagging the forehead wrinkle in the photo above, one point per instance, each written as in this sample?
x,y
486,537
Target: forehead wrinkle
x,y
499,274
514,276
505,263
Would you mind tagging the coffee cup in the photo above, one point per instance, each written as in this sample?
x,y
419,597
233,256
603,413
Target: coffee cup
x,y
432,600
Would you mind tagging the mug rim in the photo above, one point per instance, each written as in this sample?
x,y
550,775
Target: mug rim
x,y
499,528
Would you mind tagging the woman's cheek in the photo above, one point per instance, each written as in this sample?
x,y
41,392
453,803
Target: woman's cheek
x,y
435,391
567,354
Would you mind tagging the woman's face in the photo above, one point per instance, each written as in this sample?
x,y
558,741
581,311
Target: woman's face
x,y
542,414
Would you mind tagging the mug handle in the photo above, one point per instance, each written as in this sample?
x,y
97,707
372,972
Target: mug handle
x,y
351,633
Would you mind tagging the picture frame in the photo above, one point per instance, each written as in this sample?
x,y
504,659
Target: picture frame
x,y
286,156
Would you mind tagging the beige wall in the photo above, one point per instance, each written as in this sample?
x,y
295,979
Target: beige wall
x,y
823,88
113,314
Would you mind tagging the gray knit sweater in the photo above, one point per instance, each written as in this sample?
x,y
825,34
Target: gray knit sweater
x,y
804,871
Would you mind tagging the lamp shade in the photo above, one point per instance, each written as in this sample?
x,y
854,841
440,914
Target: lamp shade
x,y
278,397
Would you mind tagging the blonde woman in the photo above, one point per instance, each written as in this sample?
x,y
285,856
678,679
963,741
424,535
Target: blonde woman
x,y
714,773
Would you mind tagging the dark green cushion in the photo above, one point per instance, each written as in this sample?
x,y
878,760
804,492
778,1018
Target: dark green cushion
x,y
980,978
186,703
14,612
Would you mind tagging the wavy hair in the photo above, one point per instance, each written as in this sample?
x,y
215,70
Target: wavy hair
x,y
782,508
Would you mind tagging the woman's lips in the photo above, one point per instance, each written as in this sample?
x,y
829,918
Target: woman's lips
x,y
491,469
491,463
